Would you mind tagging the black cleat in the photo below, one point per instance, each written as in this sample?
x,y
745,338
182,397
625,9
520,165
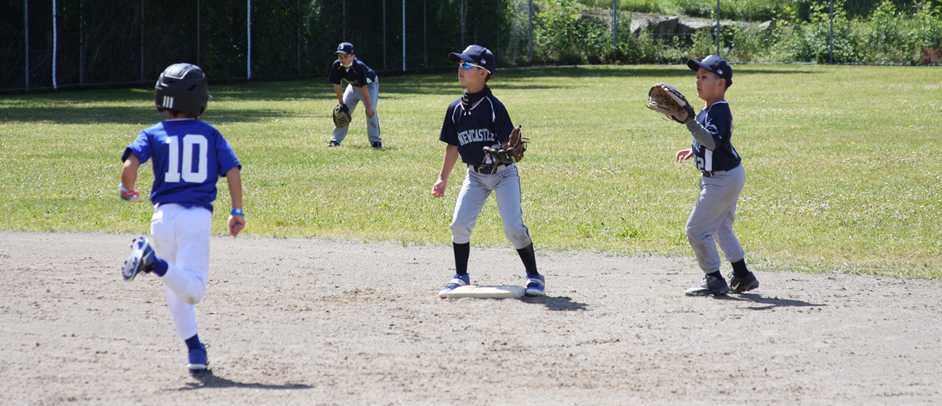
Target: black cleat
x,y
743,284
710,285
333,144
376,145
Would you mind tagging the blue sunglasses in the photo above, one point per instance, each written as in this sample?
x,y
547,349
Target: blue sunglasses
x,y
469,65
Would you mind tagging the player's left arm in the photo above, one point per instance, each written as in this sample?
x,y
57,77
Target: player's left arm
x,y
717,126
129,178
704,135
502,123
236,222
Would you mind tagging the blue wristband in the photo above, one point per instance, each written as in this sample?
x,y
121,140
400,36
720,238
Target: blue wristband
x,y
236,212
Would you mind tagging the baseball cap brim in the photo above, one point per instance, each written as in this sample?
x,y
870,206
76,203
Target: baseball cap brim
x,y
694,65
455,57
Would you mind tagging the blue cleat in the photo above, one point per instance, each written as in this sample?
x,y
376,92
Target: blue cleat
x,y
536,285
457,280
142,259
199,361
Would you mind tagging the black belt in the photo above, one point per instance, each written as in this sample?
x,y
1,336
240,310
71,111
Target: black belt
x,y
484,169
711,173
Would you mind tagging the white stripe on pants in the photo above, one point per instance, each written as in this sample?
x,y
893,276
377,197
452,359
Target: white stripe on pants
x,y
713,216
474,192
351,97
181,237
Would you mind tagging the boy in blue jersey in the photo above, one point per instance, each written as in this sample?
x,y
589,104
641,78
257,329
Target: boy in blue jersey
x,y
472,122
188,157
363,84
721,181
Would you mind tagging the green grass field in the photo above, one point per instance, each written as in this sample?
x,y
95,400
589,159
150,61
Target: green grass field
x,y
842,163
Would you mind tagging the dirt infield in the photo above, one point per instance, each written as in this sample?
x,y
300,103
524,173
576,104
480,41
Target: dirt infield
x,y
298,321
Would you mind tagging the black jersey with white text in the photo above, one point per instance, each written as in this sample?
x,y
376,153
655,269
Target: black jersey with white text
x,y
485,124
358,74
718,120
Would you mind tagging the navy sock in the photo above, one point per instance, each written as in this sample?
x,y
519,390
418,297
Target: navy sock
x,y
716,274
529,260
160,267
739,268
193,343
462,252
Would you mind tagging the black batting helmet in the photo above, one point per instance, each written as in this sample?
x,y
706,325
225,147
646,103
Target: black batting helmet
x,y
182,87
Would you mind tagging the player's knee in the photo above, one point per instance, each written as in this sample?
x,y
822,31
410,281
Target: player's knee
x,y
194,296
519,237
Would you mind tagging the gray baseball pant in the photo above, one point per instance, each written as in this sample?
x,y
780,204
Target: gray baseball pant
x,y
712,217
474,192
351,97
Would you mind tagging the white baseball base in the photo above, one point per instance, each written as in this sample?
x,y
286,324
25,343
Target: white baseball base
x,y
488,292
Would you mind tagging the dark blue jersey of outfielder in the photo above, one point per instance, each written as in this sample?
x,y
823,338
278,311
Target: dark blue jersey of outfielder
x,y
718,120
357,75
189,156
485,124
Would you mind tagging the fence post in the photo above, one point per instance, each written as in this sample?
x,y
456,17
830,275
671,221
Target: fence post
x,y
831,34
198,62
424,37
26,38
248,28
142,41
81,42
717,27
614,31
403,35
530,44
55,44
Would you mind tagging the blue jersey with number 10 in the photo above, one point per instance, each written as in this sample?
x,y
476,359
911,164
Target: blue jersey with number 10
x,y
189,155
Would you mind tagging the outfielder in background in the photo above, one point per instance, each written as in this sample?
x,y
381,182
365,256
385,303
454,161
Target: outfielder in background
x,y
722,180
363,85
474,121
188,157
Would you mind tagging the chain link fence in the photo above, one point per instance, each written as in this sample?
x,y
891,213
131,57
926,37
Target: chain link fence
x,y
55,44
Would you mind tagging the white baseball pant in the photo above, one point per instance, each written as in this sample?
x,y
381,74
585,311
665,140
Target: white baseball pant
x,y
181,237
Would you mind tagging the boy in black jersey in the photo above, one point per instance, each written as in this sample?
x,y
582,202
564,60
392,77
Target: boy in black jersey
x,y
472,122
721,181
363,85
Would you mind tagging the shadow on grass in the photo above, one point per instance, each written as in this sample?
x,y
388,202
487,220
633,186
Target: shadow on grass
x,y
766,303
138,116
134,106
560,303
209,380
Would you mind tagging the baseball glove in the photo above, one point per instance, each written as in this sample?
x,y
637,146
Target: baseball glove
x,y
668,101
510,151
342,115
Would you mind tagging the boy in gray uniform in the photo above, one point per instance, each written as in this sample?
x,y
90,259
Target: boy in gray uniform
x,y
474,121
722,180
363,85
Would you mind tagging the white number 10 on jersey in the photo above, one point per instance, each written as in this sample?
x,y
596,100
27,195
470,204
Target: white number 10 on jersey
x,y
174,173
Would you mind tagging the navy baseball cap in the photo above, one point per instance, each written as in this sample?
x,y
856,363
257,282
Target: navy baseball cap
x,y
713,64
477,55
345,48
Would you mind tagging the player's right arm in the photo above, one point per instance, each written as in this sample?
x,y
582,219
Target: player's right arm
x,y
129,178
339,90
448,163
